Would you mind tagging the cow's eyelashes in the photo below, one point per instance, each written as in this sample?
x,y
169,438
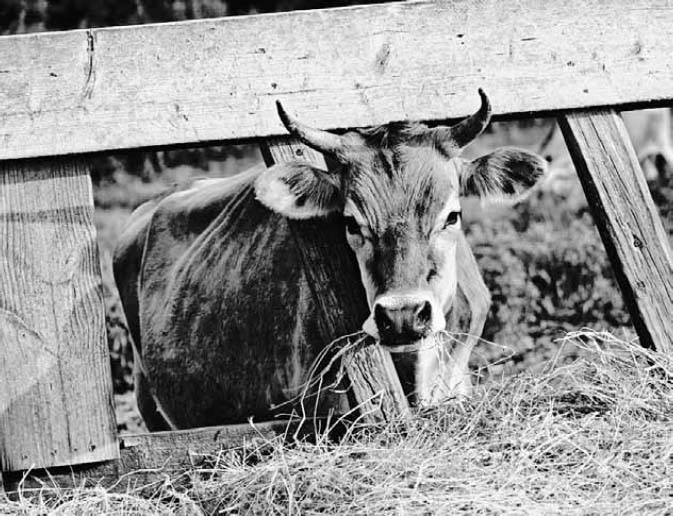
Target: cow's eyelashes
x,y
452,219
352,226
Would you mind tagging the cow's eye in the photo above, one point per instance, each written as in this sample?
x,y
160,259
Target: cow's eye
x,y
352,226
452,219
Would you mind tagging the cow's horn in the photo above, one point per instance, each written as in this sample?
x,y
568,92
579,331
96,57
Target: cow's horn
x,y
458,136
320,140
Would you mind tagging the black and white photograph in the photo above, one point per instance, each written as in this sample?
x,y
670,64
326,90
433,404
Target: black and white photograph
x,y
295,257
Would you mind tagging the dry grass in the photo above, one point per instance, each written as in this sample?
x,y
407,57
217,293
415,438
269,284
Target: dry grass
x,y
593,436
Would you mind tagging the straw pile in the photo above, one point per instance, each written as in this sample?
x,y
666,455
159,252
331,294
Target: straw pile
x,y
591,436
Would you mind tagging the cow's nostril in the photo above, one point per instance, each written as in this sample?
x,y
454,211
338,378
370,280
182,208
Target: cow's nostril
x,y
424,313
403,322
382,319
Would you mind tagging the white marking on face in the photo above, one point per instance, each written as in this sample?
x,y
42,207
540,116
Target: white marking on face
x,y
431,361
396,301
443,244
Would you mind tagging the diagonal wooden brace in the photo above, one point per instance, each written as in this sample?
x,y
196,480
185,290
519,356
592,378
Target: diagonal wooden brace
x,y
627,220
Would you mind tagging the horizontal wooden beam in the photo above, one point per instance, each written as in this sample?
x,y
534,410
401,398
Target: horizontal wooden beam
x,y
211,80
148,459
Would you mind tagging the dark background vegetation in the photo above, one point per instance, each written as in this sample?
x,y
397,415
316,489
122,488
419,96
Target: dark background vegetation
x,y
541,259
38,15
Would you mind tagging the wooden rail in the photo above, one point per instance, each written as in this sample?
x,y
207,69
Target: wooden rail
x,y
146,460
192,82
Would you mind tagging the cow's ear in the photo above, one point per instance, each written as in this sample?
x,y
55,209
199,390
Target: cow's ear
x,y
299,190
506,173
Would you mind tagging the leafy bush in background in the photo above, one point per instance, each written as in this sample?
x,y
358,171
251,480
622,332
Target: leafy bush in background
x,y
545,279
548,273
662,193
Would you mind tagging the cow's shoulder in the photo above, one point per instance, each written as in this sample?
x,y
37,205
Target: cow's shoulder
x,y
170,222
181,212
192,207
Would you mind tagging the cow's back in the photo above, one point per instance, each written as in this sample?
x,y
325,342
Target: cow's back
x,y
218,303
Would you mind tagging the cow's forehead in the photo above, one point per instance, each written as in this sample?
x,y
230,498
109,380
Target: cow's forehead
x,y
406,185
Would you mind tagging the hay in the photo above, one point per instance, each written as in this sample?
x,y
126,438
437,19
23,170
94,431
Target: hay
x,y
593,436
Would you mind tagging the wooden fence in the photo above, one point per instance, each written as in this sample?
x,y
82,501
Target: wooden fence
x,y
63,95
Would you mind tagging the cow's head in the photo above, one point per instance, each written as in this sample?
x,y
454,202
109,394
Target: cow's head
x,y
398,187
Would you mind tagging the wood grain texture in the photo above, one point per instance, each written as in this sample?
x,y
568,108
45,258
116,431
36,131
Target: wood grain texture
x,y
342,303
627,220
147,460
208,80
333,277
55,383
376,386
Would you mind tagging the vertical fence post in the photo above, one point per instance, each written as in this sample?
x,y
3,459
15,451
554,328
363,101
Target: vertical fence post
x,y
342,301
55,383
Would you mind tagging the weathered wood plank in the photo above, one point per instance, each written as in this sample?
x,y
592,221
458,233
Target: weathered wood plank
x,y
55,387
342,302
148,459
192,82
376,386
331,275
627,220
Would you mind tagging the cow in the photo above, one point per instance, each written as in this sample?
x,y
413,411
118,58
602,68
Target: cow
x,y
223,315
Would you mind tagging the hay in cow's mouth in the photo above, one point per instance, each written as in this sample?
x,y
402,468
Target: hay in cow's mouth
x,y
327,372
440,338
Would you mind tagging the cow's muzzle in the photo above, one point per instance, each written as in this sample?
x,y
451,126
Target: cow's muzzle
x,y
402,319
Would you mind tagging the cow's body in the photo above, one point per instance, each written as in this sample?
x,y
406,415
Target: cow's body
x,y
226,309
223,336
227,326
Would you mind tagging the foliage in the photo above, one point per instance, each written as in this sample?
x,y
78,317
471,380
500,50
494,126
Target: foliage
x,y
546,268
547,272
662,193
